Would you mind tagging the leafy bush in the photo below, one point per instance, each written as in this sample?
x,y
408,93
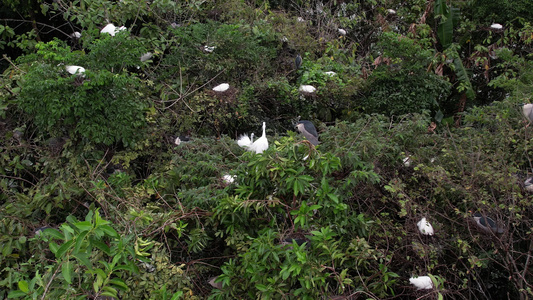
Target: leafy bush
x,y
99,106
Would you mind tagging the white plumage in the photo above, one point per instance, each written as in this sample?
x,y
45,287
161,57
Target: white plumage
x,y
496,26
229,179
75,35
421,282
330,73
307,88
245,141
112,29
391,11
527,110
75,70
221,87
146,56
260,145
425,227
407,161
209,49
342,31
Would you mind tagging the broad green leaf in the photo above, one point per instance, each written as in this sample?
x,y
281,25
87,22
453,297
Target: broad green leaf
x,y
66,270
23,286
52,232
109,230
64,248
16,294
84,259
119,283
84,226
79,240
177,295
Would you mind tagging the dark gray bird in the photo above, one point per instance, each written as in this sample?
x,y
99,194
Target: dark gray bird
x,y
486,223
528,184
308,130
298,61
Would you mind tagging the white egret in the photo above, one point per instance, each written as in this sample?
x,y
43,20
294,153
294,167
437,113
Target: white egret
x,y
496,26
261,144
75,35
221,87
425,227
146,56
307,89
209,49
421,282
76,70
342,31
330,73
112,29
229,179
527,111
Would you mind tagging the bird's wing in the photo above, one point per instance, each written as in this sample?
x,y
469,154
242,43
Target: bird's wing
x,y
244,141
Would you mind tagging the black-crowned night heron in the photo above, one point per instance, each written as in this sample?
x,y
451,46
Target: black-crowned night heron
x,y
421,282
308,130
182,139
260,145
298,61
528,184
486,223
425,227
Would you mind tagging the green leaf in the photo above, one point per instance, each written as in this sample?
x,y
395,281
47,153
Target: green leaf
x,y
261,287
79,240
52,232
119,283
84,259
64,248
84,226
16,294
66,270
109,230
177,295
23,286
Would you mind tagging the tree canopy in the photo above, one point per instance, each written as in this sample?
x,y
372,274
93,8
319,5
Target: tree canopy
x,y
121,175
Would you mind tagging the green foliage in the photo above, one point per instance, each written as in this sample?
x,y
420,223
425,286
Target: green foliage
x,y
403,85
77,264
100,106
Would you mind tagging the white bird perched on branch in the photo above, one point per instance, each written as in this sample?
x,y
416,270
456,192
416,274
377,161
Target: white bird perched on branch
x,y
245,141
112,29
221,87
421,282
307,89
76,70
425,227
260,145
496,26
527,111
